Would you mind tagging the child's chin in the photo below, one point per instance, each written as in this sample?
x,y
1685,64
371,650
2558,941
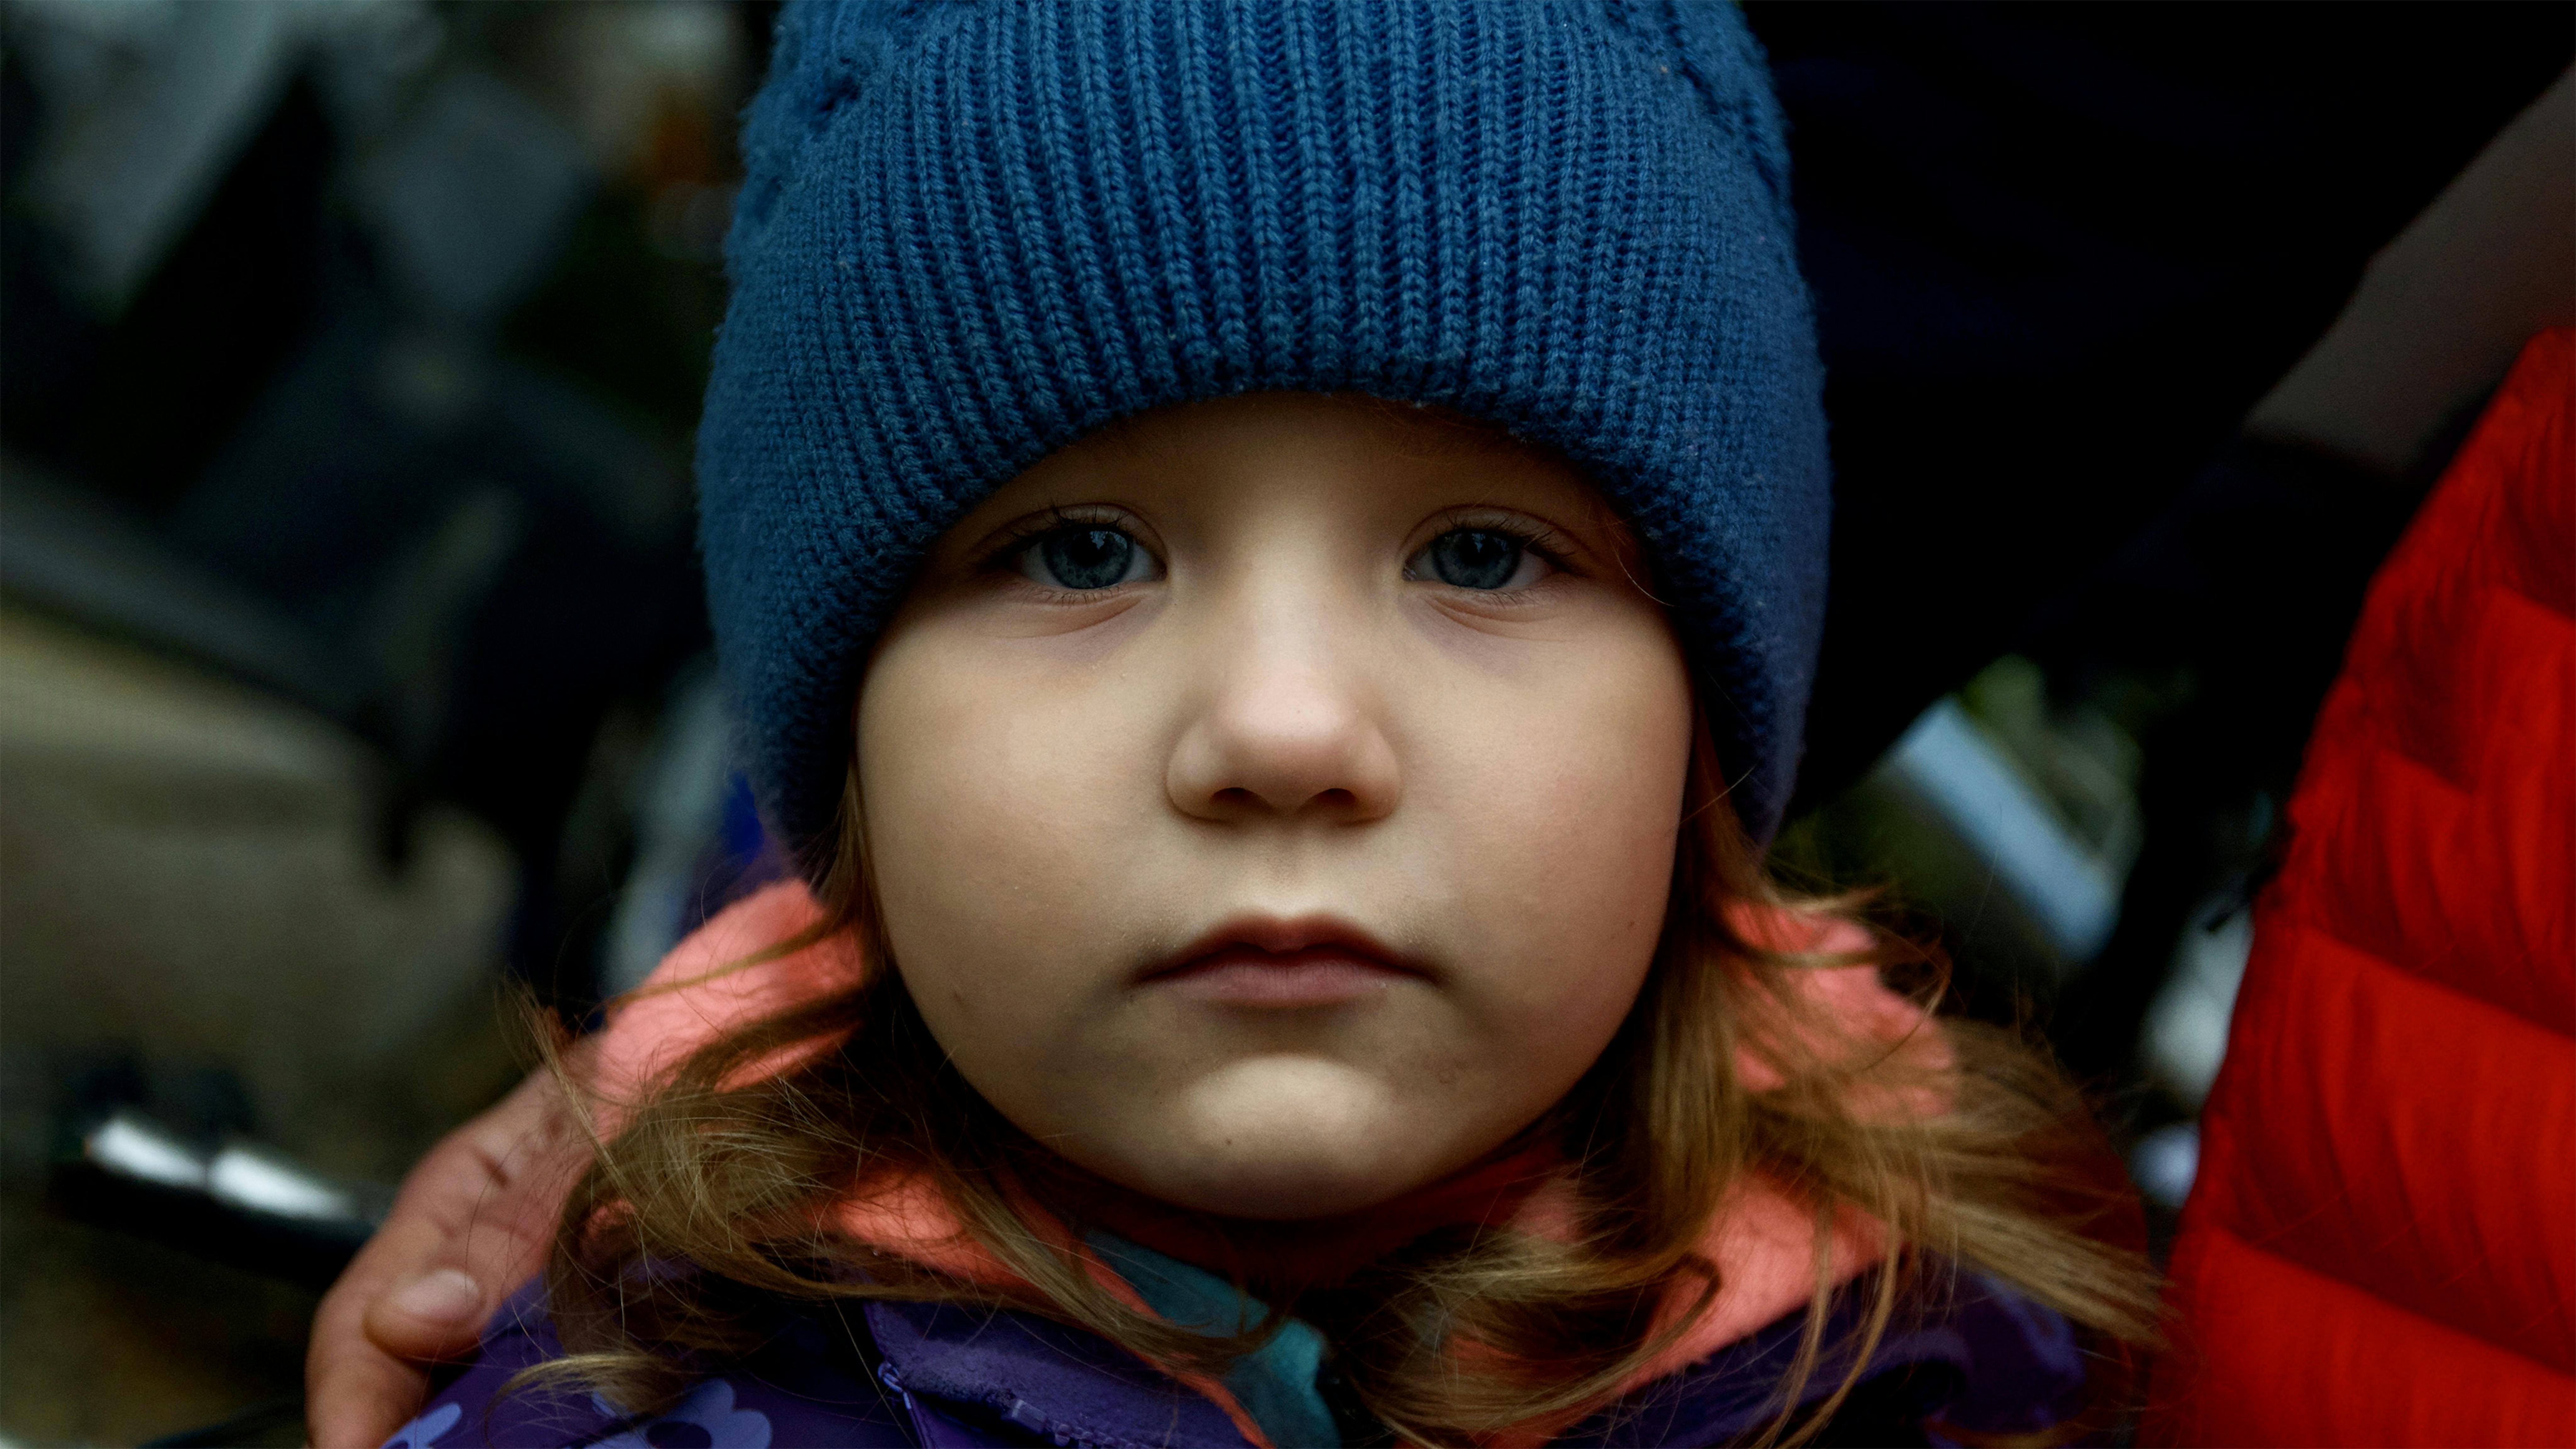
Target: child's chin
x,y
1285,1138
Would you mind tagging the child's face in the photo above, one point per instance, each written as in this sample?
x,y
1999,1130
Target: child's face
x,y
1272,801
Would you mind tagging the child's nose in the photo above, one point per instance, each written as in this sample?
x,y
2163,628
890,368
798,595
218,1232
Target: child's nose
x,y
1289,739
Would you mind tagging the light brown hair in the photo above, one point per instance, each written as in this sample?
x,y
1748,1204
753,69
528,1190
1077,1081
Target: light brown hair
x,y
732,1177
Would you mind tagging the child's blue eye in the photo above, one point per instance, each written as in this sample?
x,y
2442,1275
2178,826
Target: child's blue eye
x,y
1084,557
1473,558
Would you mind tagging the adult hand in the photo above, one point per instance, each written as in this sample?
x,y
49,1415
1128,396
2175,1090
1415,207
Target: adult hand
x,y
473,1221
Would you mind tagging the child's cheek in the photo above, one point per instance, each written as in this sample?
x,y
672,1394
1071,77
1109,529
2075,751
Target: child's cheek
x,y
1001,818
1559,813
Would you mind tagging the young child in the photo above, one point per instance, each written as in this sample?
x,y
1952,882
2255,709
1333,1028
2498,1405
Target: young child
x,y
1268,558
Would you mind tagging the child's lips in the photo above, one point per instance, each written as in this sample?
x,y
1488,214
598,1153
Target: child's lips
x,y
1316,976
1279,964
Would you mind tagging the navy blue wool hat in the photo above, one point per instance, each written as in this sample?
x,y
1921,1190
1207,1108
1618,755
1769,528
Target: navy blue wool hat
x,y
974,232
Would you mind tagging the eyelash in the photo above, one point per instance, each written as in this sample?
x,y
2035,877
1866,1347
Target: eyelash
x,y
1551,546
1005,551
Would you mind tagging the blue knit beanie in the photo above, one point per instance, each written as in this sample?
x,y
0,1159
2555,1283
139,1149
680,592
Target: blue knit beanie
x,y
973,232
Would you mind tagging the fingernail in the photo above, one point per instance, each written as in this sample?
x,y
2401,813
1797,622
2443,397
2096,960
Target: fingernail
x,y
445,1296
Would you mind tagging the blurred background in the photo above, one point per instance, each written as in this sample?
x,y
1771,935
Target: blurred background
x,y
352,665
354,686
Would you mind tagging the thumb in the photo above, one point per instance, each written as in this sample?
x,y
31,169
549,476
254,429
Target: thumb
x,y
435,1315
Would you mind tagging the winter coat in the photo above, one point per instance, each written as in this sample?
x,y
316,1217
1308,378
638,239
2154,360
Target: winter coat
x,y
944,1377
2381,1245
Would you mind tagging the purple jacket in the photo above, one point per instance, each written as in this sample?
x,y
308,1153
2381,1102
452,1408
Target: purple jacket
x,y
934,1376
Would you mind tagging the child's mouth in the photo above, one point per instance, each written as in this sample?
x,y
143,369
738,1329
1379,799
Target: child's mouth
x,y
1282,965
